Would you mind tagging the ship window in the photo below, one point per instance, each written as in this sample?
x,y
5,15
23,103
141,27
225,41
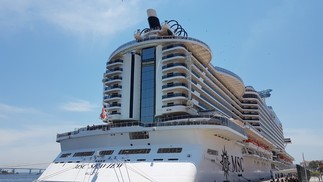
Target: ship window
x,y
134,151
148,54
169,150
81,154
212,152
170,104
147,111
173,159
65,155
158,159
106,152
139,135
141,159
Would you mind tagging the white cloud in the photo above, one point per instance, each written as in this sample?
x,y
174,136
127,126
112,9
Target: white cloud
x,y
78,106
29,146
7,111
104,17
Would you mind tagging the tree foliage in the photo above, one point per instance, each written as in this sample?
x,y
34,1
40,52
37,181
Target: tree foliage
x,y
313,165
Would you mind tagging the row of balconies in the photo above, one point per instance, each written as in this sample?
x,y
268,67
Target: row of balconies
x,y
113,87
175,86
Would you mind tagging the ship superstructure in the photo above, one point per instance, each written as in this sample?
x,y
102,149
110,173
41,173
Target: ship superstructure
x,y
172,116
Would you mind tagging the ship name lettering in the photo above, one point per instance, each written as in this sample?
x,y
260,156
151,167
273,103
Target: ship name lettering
x,y
79,166
113,165
237,164
99,166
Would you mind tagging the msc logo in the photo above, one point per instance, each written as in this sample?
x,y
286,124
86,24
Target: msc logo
x,y
236,163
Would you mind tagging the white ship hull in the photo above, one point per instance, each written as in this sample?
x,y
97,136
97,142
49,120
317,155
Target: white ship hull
x,y
194,163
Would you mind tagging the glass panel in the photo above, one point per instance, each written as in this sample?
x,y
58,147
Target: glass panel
x,y
148,54
148,85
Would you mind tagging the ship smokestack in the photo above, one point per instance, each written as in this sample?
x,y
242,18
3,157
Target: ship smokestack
x,y
153,19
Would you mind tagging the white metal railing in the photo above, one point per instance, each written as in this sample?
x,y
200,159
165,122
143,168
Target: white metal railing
x,y
182,120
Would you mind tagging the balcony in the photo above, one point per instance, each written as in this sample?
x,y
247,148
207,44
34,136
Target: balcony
x,y
174,46
113,63
174,56
174,85
112,88
174,76
114,106
174,108
174,96
172,105
112,97
113,71
181,86
172,65
114,116
115,79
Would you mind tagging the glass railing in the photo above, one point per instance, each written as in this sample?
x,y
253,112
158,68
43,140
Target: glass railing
x,y
173,75
113,78
173,45
115,113
115,105
112,96
174,85
171,105
115,61
174,95
112,70
173,65
112,87
173,55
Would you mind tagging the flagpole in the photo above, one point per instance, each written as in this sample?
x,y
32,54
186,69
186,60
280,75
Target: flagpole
x,y
305,167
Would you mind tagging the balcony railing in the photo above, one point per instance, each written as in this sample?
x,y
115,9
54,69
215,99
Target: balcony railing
x,y
114,105
115,61
173,55
113,87
174,95
112,96
174,85
113,78
173,75
173,65
114,69
173,45
171,105
175,121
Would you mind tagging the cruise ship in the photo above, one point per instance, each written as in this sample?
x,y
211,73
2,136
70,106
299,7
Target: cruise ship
x,y
169,115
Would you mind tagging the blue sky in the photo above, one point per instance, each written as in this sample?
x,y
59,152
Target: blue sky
x,y
53,55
